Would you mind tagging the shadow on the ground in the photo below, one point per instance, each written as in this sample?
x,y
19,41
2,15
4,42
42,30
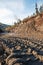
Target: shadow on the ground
x,y
27,51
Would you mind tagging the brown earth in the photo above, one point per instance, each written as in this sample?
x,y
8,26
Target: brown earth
x,y
29,27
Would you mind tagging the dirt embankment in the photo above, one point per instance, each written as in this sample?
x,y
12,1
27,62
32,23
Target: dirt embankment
x,y
29,27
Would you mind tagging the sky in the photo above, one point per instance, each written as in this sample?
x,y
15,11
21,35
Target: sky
x,y
10,10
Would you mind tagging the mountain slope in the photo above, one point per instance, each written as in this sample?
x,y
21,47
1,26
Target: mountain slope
x,y
30,26
2,27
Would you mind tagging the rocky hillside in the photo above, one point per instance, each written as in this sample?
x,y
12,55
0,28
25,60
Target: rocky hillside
x,y
30,26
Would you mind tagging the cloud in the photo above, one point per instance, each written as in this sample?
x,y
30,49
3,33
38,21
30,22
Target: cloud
x,y
16,5
4,12
10,8
6,16
13,4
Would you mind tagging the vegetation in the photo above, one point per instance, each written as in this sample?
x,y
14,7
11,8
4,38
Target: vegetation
x,y
1,31
41,9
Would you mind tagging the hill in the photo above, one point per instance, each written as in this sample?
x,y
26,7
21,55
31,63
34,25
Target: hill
x,y
2,27
30,26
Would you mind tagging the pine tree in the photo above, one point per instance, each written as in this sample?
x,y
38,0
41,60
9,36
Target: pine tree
x,y
41,9
37,12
